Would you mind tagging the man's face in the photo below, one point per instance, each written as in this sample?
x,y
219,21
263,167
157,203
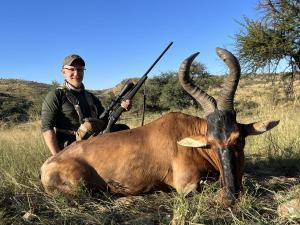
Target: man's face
x,y
73,74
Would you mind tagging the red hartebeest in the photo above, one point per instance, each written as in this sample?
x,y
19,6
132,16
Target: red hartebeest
x,y
176,150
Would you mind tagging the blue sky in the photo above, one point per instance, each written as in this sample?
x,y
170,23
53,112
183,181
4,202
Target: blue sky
x,y
117,38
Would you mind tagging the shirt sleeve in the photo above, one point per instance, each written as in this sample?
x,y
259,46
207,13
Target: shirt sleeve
x,y
50,110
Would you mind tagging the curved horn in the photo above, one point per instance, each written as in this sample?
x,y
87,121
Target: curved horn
x,y
231,81
207,102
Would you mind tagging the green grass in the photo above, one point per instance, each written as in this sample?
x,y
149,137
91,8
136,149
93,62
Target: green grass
x,y
271,177
22,152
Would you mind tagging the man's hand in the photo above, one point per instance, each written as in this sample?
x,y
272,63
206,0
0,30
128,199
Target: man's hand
x,y
51,141
127,104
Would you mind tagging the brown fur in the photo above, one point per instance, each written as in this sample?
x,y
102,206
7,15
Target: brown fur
x,y
135,161
149,158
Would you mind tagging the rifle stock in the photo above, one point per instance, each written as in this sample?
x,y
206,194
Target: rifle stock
x,y
116,113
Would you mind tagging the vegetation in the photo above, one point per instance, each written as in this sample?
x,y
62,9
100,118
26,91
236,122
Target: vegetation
x,y
164,93
271,173
272,41
13,109
20,100
273,37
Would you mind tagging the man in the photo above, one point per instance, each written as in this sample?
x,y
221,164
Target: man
x,y
71,113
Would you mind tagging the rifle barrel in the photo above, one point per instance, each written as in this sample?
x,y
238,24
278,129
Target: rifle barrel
x,y
115,114
159,57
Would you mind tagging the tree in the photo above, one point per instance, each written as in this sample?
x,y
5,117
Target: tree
x,y
272,38
154,91
54,85
163,92
198,69
173,96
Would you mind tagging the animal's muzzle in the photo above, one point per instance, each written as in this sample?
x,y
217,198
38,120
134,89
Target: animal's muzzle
x,y
231,187
229,198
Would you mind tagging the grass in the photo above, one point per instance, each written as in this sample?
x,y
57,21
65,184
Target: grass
x,y
271,176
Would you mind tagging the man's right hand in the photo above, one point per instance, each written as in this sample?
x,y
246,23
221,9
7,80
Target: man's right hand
x,y
127,104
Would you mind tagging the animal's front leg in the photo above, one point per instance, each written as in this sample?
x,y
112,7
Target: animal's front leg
x,y
185,177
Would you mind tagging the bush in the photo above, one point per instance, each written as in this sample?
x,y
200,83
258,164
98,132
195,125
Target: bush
x,y
14,109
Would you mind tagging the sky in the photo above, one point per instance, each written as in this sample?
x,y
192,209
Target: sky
x,y
118,39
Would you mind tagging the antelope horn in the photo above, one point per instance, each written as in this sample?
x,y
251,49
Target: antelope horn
x,y
231,81
207,102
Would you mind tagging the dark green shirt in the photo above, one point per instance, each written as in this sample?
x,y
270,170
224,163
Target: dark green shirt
x,y
58,112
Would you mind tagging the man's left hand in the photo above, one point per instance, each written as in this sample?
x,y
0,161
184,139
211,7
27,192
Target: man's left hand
x,y
127,104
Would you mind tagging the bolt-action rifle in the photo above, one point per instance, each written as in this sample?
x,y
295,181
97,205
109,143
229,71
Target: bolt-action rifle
x,y
129,93
127,87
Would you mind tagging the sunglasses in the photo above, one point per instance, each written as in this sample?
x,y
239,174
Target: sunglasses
x,y
73,69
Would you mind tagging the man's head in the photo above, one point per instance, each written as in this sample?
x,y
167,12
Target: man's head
x,y
73,69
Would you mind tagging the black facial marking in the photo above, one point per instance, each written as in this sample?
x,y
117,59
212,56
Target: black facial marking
x,y
229,166
221,124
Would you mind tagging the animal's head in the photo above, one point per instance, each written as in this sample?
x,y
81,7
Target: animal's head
x,y
225,136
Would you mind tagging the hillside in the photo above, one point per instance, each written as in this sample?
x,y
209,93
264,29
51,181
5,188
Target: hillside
x,y
21,100
29,90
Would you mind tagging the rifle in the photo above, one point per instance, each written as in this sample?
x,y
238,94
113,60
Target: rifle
x,y
117,111
127,87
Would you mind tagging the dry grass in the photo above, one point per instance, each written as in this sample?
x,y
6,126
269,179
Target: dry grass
x,y
271,176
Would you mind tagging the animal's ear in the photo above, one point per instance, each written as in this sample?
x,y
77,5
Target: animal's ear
x,y
194,141
260,127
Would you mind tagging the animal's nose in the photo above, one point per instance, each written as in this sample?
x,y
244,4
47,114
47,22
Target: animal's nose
x,y
229,202
228,198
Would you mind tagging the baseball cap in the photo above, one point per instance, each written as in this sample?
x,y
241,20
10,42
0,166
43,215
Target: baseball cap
x,y
70,60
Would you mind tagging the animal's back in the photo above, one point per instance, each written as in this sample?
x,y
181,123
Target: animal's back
x,y
136,160
143,153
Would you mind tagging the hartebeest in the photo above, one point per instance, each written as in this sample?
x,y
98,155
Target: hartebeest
x,y
176,150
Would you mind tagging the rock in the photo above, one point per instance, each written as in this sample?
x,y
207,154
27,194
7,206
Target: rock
x,y
28,216
290,209
129,200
